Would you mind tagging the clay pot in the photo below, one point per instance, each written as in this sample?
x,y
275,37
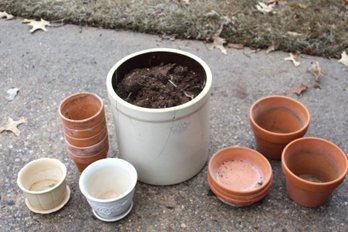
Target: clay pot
x,y
239,176
91,150
82,111
276,121
166,146
86,142
313,168
85,133
83,161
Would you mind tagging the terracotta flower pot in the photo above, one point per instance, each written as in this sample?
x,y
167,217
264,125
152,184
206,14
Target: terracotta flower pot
x,y
103,144
82,111
87,142
276,121
167,145
85,133
83,161
313,168
239,176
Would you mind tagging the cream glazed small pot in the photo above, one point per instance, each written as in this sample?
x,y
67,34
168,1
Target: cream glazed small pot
x,y
109,185
43,182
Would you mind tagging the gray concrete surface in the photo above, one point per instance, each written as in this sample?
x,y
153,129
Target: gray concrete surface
x,y
48,66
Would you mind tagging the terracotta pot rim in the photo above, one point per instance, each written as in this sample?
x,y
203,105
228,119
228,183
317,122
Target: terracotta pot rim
x,y
268,178
287,171
266,189
100,153
294,133
76,130
103,140
103,131
82,120
237,202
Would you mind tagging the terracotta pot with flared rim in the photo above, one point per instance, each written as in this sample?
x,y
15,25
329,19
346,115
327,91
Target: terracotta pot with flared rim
x,y
82,162
91,150
276,121
82,111
166,146
85,133
313,168
250,168
87,142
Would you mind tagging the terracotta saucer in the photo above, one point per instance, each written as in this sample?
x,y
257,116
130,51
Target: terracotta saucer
x,y
48,211
119,217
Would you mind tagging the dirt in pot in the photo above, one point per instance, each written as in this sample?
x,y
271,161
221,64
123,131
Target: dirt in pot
x,y
162,86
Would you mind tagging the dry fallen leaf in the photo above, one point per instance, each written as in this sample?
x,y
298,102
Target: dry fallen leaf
x,y
344,59
271,48
236,46
294,34
264,8
12,125
36,25
186,2
4,14
300,89
316,71
219,42
294,57
12,93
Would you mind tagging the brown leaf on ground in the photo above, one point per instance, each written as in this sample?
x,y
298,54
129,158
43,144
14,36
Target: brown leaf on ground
x,y
36,25
12,125
4,14
316,71
294,57
298,6
344,59
236,46
300,89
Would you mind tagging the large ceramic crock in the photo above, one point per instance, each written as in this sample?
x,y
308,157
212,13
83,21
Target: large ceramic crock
x,y
170,145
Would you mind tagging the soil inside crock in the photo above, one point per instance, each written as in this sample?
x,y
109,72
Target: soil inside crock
x,y
239,175
162,86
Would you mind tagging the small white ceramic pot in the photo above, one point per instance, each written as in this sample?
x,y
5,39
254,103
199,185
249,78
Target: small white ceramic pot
x,y
44,186
108,185
169,145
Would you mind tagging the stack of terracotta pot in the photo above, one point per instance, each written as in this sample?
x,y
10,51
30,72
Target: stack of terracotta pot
x,y
84,128
239,176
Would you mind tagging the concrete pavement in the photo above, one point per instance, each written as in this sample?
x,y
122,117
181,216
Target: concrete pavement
x,y
48,66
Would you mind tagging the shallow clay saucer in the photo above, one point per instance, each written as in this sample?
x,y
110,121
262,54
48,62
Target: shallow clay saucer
x,y
48,211
119,217
239,176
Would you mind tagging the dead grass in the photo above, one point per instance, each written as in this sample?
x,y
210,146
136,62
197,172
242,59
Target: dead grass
x,y
322,24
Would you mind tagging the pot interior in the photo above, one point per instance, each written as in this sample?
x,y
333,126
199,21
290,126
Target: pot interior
x,y
108,183
315,162
240,170
279,115
152,59
81,106
41,176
